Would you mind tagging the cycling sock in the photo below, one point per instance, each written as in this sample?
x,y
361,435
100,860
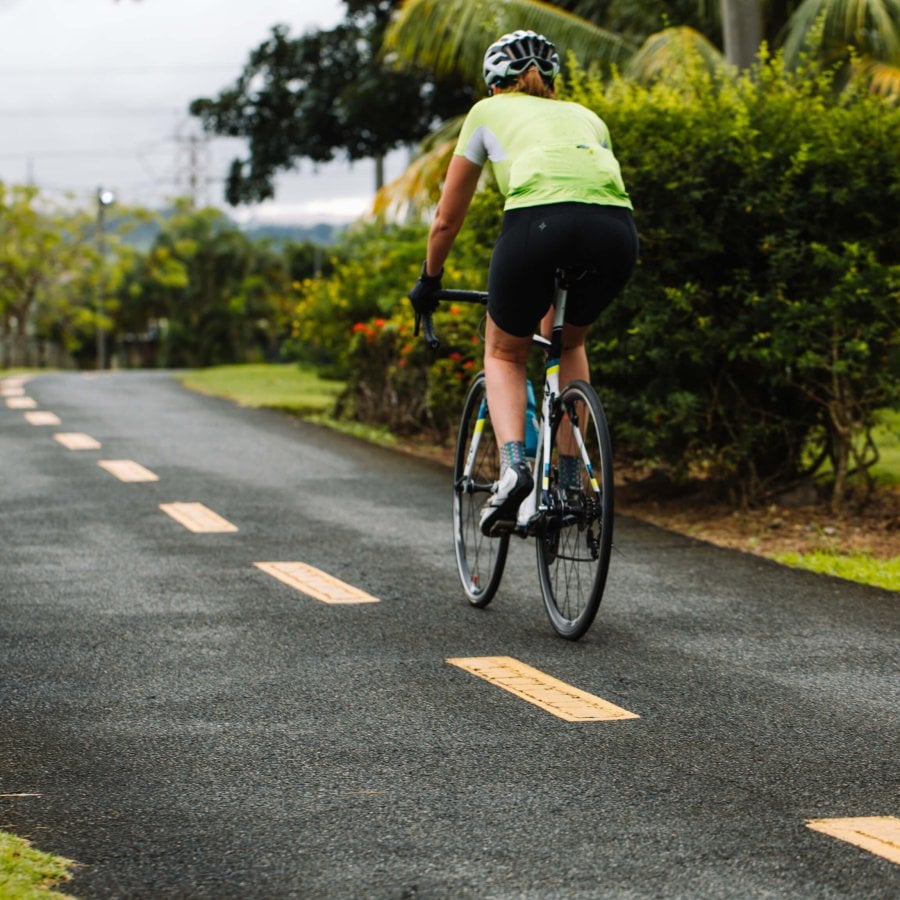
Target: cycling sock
x,y
569,471
511,452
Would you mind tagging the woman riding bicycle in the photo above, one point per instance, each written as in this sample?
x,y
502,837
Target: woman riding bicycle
x,y
566,206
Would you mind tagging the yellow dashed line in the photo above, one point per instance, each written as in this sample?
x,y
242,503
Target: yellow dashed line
x,y
550,694
877,834
197,518
315,583
21,403
75,440
127,470
41,417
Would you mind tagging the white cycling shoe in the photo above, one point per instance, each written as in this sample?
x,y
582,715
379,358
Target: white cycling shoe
x,y
498,515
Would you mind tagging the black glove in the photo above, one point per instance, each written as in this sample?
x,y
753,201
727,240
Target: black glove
x,y
423,294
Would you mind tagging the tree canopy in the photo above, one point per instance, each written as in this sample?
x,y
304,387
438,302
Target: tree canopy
x,y
323,94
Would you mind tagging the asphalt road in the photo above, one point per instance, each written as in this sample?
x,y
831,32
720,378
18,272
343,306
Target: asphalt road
x,y
183,724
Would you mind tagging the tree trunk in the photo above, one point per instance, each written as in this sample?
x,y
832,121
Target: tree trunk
x,y
742,31
379,172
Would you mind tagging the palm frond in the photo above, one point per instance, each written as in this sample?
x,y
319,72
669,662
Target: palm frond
x,y
871,26
451,35
673,49
418,189
882,78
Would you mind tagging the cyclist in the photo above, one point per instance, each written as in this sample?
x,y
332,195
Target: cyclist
x,y
566,205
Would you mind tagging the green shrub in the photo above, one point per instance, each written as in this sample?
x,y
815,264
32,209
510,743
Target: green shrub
x,y
763,314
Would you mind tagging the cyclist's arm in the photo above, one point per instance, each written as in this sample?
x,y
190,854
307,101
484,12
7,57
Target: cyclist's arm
x,y
459,187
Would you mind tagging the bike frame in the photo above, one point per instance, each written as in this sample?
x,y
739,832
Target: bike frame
x,y
537,502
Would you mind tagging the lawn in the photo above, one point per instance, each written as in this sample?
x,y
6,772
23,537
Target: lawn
x,y
285,387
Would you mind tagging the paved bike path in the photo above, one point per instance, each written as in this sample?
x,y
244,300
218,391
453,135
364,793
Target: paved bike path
x,y
185,725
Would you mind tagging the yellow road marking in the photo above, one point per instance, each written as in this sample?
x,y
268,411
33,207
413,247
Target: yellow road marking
x,y
877,834
550,694
21,403
75,440
315,583
127,470
41,417
196,517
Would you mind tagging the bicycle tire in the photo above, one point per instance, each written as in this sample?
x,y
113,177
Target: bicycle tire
x,y
574,539
479,559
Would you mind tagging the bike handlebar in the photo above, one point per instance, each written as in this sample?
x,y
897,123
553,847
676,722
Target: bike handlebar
x,y
454,296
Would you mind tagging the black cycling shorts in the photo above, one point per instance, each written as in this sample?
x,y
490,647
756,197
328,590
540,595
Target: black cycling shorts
x,y
537,240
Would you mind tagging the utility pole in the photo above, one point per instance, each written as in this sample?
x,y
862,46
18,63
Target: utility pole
x,y
104,198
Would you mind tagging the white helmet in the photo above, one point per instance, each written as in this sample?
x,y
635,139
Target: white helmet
x,y
513,53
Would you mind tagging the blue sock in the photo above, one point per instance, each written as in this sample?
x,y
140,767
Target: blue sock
x,y
511,452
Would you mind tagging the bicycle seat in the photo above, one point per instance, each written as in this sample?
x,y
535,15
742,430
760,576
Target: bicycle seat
x,y
566,275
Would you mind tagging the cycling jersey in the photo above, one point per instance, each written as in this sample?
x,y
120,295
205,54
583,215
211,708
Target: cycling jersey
x,y
543,151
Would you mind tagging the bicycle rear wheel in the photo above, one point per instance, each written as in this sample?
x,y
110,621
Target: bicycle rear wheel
x,y
479,559
574,540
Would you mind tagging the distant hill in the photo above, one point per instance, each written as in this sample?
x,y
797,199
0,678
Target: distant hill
x,y
142,235
323,233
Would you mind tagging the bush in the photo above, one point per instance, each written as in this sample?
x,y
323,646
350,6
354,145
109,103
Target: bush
x,y
763,314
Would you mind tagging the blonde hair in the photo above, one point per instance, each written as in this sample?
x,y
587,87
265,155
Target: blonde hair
x,y
530,82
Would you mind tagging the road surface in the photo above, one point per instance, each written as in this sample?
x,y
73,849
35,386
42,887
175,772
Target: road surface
x,y
185,722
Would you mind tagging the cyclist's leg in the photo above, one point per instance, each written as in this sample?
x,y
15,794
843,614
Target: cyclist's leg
x,y
505,359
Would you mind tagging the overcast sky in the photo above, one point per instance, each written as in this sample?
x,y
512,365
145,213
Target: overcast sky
x,y
95,92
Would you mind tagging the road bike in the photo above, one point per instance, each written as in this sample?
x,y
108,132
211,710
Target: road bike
x,y
570,509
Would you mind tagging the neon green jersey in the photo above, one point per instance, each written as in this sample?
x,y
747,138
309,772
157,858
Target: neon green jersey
x,y
543,151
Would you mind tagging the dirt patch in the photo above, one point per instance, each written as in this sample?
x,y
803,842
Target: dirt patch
x,y
775,528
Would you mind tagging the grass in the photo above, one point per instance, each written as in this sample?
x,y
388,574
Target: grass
x,y
29,874
887,439
285,387
853,567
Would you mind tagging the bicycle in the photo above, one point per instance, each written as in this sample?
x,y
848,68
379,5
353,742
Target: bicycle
x,y
573,522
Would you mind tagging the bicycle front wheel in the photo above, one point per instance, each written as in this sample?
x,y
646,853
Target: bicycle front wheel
x,y
479,559
574,540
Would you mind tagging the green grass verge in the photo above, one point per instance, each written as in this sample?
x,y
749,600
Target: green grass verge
x,y
285,387
856,567
29,874
886,436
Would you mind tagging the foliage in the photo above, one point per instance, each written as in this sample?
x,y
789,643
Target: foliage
x,y
358,322
53,278
763,314
208,292
320,93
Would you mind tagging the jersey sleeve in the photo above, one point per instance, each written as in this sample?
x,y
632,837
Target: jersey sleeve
x,y
475,139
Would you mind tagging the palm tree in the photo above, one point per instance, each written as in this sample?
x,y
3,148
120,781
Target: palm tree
x,y
452,34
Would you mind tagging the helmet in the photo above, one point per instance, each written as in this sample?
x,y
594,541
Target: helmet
x,y
513,53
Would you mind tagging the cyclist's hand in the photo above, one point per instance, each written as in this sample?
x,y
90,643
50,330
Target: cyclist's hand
x,y
423,294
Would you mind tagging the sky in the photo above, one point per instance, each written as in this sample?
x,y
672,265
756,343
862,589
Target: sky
x,y
95,93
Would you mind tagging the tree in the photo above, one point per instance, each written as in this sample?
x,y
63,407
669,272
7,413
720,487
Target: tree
x,y
321,94
50,273
645,39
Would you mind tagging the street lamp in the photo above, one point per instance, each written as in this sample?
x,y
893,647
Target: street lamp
x,y
104,198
